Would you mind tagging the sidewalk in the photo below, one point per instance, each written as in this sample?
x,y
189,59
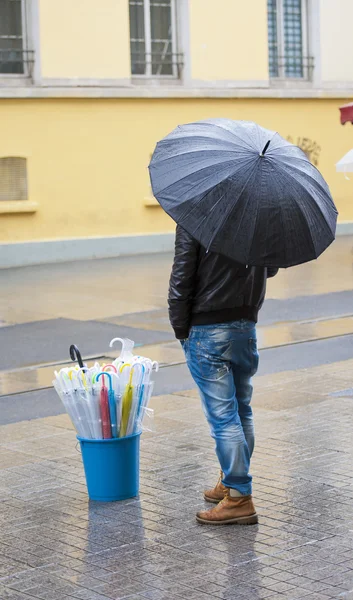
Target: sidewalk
x,y
56,545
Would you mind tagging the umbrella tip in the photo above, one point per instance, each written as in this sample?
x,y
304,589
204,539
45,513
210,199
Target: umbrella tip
x,y
265,148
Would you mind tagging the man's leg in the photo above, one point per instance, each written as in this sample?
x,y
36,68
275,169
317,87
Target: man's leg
x,y
244,368
244,391
209,356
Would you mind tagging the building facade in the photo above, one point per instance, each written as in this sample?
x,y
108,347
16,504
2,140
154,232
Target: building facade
x,y
87,88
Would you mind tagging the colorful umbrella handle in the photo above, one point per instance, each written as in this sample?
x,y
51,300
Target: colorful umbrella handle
x,y
69,373
83,376
109,366
105,374
133,366
75,354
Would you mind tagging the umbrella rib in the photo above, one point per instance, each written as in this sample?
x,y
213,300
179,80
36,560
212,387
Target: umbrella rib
x,y
282,223
212,209
182,135
193,173
187,211
288,177
227,214
297,169
162,160
243,142
234,144
291,177
202,197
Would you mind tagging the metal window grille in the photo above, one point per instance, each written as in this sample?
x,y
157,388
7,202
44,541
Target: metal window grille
x,y
13,178
15,58
153,38
286,40
272,37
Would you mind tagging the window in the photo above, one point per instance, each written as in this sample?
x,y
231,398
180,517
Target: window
x,y
13,178
15,57
153,38
287,40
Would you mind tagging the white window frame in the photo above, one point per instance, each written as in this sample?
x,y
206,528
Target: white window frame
x,y
281,43
28,46
148,43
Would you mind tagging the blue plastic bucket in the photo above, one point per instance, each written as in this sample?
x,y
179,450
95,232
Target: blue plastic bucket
x,y
111,467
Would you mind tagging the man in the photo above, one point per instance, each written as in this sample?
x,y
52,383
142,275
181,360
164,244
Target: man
x,y
213,308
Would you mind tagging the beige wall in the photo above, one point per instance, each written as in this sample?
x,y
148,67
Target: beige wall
x,y
336,18
84,39
228,40
87,159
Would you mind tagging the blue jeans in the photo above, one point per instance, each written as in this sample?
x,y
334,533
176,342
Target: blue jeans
x,y
222,359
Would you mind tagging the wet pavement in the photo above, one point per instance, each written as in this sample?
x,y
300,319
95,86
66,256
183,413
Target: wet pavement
x,y
55,544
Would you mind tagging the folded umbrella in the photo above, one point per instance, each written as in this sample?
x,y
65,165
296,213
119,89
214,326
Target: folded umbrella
x,y
112,401
73,397
93,393
244,192
137,381
104,407
126,402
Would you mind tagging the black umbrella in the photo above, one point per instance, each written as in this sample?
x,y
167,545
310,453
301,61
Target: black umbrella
x,y
245,192
75,354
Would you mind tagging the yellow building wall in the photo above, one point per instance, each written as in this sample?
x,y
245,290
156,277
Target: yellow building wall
x,y
228,40
87,159
336,40
84,39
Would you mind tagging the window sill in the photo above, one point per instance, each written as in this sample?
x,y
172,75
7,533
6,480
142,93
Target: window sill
x,y
17,206
13,80
291,82
162,80
307,90
149,202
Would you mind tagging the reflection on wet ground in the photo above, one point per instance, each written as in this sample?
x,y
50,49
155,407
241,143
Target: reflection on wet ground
x,y
281,335
17,381
170,353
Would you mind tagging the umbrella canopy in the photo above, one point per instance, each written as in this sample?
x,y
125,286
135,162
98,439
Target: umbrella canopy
x,y
245,192
346,113
345,165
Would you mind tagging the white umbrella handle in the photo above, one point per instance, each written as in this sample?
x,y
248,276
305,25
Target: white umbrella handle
x,y
127,347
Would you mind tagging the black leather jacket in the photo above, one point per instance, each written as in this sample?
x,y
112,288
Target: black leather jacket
x,y
207,288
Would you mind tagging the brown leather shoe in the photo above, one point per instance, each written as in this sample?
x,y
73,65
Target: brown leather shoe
x,y
239,511
217,493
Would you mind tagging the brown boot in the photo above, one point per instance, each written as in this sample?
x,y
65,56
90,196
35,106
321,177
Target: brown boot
x,y
217,493
230,510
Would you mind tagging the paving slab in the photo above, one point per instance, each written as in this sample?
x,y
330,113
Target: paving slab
x,y
56,544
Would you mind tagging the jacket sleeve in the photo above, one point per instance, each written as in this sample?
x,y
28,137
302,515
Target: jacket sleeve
x,y
271,272
182,283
